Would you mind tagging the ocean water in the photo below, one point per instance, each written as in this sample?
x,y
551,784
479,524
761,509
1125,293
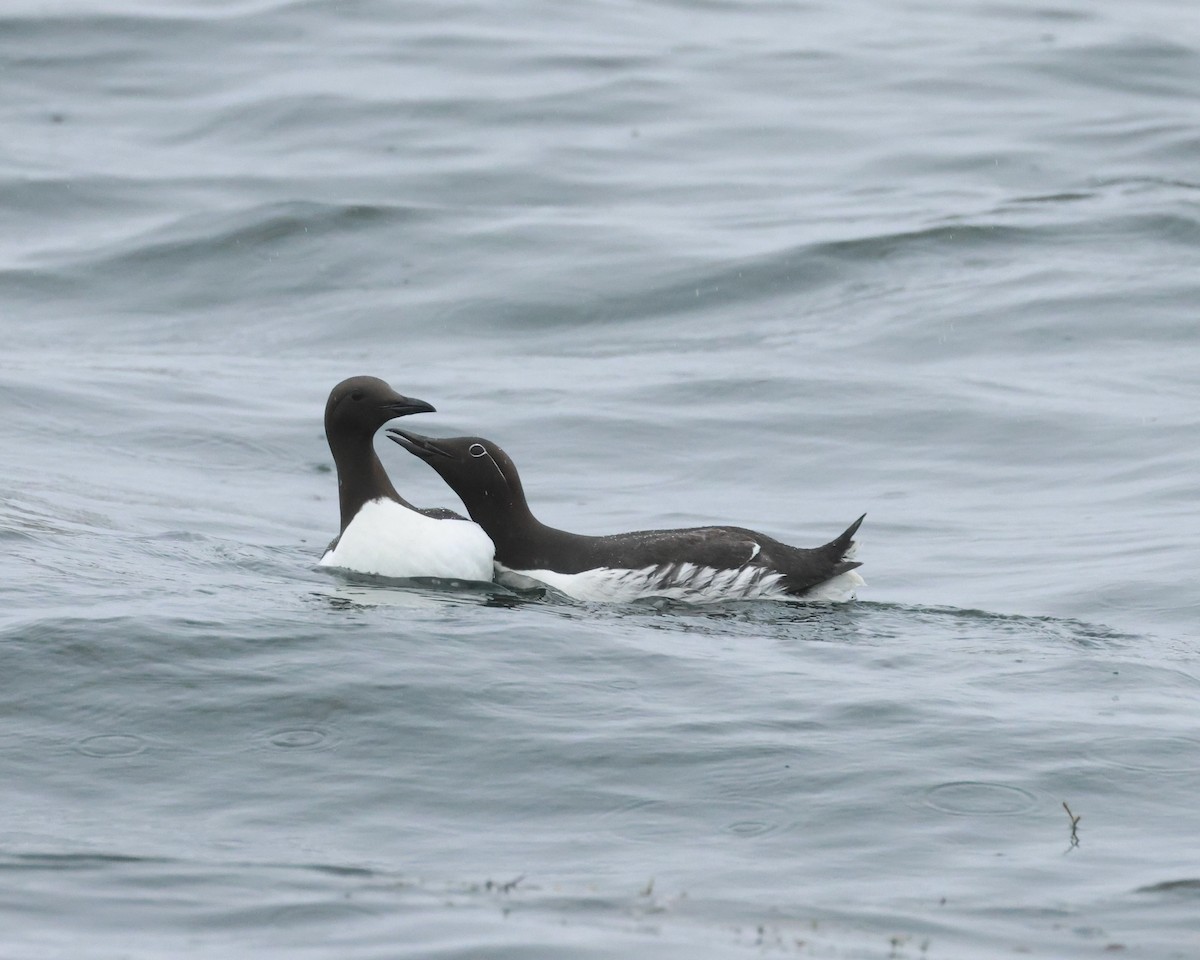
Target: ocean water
x,y
772,264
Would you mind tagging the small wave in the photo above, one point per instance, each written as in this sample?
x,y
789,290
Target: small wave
x,y
260,230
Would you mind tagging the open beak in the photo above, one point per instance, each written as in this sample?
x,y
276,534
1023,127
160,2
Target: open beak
x,y
424,447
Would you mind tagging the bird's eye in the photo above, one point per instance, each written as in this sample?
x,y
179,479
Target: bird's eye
x,y
356,395
477,450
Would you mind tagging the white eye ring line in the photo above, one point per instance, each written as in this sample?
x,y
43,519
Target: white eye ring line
x,y
478,450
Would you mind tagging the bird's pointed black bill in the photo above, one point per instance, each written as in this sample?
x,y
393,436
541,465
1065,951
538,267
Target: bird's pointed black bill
x,y
406,406
423,447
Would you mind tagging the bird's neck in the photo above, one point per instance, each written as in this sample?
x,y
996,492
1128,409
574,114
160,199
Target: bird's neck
x,y
361,477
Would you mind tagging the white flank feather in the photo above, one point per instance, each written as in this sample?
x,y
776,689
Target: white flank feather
x,y
676,581
673,581
389,540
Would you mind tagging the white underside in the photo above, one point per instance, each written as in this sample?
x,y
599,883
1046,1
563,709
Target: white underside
x,y
389,540
677,581
838,590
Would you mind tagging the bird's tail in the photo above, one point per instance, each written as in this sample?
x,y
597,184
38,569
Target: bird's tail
x,y
840,550
843,580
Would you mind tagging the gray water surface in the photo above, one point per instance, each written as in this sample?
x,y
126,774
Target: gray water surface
x,y
768,264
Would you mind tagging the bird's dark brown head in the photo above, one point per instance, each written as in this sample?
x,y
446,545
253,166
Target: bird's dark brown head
x,y
482,474
361,405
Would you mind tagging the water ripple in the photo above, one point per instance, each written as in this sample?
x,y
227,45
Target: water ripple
x,y
980,798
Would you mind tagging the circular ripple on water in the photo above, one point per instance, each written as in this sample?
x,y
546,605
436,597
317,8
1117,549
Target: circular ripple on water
x,y
1148,754
979,798
657,820
752,828
297,738
109,745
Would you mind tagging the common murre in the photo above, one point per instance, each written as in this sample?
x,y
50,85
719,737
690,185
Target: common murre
x,y
700,565
382,533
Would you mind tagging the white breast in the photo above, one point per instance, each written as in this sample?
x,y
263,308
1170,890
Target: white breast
x,y
389,540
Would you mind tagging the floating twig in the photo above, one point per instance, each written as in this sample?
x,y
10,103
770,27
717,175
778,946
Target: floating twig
x,y
1074,824
507,887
